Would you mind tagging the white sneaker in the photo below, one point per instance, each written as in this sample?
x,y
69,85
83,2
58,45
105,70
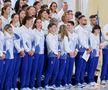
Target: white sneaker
x,y
16,88
28,88
33,88
12,88
103,82
66,86
92,84
60,88
47,87
53,87
70,86
40,88
79,85
84,83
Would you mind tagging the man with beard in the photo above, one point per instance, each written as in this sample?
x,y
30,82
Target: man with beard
x,y
83,47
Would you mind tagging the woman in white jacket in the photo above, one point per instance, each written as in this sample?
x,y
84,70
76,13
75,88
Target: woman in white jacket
x,y
94,55
38,62
9,62
2,55
64,49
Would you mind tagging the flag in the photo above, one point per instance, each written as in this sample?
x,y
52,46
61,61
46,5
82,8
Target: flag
x,y
98,23
97,18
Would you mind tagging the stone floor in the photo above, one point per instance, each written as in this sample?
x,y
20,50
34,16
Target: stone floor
x,y
99,88
91,88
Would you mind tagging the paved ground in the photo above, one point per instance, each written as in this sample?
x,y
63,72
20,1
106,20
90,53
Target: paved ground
x,y
92,88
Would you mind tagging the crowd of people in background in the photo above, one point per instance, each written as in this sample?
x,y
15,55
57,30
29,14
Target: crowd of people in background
x,y
39,47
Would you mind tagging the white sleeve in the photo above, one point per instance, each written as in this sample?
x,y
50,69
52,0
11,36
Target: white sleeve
x,y
1,46
105,37
92,42
77,44
66,45
25,46
60,13
104,31
17,45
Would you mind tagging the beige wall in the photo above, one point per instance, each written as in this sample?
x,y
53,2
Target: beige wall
x,y
102,7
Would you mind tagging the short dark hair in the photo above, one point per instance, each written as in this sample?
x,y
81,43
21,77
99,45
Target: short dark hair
x,y
7,1
26,18
69,11
13,15
96,27
77,14
81,16
51,24
35,3
25,6
44,6
7,26
71,22
93,16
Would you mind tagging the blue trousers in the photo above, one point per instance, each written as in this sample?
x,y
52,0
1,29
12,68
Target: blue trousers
x,y
5,69
52,70
80,68
70,69
16,70
107,74
26,67
1,72
92,65
67,78
37,68
9,74
62,67
104,71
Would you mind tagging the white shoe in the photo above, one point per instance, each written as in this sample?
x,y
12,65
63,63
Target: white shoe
x,y
84,83
28,88
33,88
16,88
70,86
47,87
66,86
92,84
103,82
53,86
40,88
12,88
79,85
60,88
